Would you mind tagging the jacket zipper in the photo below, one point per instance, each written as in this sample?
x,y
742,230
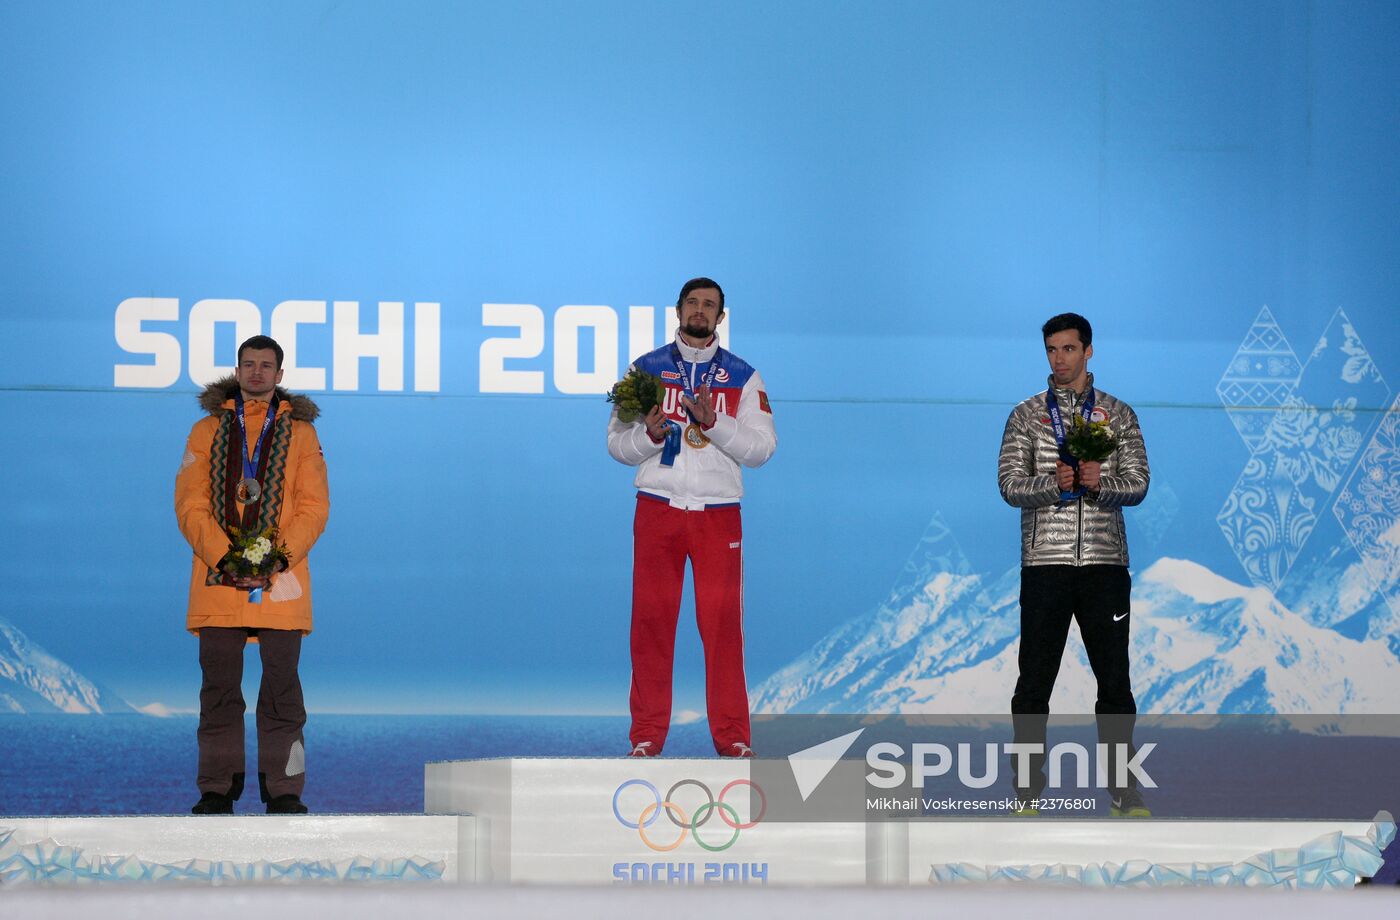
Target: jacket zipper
x,y
1079,531
1078,506
690,471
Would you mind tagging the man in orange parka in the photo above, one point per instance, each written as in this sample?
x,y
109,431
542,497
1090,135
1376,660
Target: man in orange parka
x,y
244,470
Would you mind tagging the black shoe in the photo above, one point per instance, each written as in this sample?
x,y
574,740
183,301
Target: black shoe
x,y
289,804
1128,804
213,803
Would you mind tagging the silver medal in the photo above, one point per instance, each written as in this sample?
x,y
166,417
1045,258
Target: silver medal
x,y
248,490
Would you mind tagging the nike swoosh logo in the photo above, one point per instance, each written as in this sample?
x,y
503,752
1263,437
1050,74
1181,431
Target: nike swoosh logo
x,y
1119,617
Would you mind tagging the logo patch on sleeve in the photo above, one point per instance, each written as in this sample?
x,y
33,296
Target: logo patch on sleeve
x,y
763,402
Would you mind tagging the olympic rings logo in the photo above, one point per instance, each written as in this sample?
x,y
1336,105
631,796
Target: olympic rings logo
x,y
689,825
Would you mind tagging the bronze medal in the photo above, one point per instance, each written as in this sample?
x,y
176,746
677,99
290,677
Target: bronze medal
x,y
695,437
248,490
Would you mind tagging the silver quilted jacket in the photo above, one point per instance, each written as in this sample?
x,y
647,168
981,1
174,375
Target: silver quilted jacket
x,y
1085,531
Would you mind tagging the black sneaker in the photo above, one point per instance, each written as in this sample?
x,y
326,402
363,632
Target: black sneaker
x,y
1128,804
213,803
289,804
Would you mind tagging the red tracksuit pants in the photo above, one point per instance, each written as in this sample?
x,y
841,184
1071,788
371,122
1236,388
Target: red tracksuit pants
x,y
662,539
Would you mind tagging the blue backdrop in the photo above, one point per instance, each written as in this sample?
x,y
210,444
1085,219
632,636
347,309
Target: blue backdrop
x,y
469,217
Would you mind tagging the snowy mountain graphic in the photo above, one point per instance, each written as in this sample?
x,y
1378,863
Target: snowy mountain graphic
x,y
33,681
946,640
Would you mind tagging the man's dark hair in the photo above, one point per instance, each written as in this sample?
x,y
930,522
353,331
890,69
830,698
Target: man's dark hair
x,y
258,343
695,283
1065,321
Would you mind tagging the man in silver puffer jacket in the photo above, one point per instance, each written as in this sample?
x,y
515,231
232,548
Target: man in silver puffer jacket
x,y
1074,550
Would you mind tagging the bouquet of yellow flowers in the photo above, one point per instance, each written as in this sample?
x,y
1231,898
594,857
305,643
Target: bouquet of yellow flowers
x,y
636,394
253,553
1092,441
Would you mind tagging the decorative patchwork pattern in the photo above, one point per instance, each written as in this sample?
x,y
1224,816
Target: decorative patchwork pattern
x,y
1260,378
1155,515
285,587
1330,861
937,551
296,760
48,863
1368,507
1307,449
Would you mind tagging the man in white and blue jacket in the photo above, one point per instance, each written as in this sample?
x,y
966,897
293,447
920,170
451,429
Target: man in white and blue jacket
x,y
688,452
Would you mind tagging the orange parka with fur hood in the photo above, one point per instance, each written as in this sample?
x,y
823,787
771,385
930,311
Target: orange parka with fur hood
x,y
304,498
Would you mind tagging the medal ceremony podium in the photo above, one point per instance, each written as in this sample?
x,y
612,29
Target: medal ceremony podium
x,y
672,822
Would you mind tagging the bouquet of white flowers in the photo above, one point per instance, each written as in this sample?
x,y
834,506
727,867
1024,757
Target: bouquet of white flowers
x,y
253,553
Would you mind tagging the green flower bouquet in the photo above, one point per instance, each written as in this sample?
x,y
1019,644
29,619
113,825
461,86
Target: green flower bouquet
x,y
1091,441
636,394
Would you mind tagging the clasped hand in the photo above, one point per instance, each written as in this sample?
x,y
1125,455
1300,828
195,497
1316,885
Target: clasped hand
x,y
249,582
1090,472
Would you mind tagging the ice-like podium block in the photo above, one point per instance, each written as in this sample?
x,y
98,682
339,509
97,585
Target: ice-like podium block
x,y
621,820
1179,853
225,850
667,821
607,821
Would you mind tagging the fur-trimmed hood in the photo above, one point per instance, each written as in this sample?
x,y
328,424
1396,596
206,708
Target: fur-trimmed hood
x,y
225,388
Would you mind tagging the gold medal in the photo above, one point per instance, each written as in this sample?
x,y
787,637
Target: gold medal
x,y
695,437
248,490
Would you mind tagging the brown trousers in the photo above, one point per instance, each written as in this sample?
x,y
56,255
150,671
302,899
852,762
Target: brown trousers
x,y
281,713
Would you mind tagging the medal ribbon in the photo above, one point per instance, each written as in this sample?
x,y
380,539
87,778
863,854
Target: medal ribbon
x,y
1057,424
250,464
672,448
